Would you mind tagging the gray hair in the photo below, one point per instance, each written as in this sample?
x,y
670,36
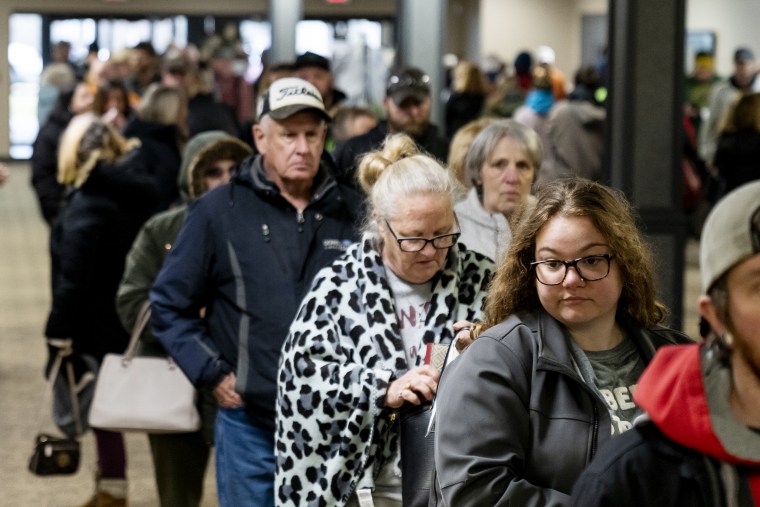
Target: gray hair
x,y
485,142
397,171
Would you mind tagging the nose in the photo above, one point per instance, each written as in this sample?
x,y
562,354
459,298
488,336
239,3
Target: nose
x,y
512,174
302,145
429,250
573,277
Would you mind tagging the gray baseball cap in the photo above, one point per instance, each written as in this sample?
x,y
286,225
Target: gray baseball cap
x,y
730,234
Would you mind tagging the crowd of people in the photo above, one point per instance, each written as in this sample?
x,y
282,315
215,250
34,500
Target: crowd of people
x,y
303,260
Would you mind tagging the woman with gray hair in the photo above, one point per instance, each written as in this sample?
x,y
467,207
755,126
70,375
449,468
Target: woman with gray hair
x,y
357,348
502,164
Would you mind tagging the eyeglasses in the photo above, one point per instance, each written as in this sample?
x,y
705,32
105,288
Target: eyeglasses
x,y
590,268
441,242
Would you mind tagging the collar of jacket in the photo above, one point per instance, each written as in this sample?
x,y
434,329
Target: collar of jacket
x,y
252,174
554,351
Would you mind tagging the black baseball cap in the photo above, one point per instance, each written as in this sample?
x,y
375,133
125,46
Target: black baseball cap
x,y
408,82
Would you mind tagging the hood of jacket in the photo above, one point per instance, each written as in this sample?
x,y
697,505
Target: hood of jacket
x,y
686,392
201,151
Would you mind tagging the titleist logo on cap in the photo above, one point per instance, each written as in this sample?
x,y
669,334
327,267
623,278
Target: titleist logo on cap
x,y
291,91
290,95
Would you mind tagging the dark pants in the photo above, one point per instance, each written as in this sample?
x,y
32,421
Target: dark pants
x,y
180,459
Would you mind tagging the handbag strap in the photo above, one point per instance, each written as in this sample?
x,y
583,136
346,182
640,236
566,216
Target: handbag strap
x,y
143,317
65,349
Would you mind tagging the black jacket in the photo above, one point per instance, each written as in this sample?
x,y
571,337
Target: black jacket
x,y
738,158
89,244
346,159
50,193
462,108
647,468
160,154
248,256
206,113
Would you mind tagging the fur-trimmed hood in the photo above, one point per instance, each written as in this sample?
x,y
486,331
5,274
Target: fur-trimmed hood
x,y
201,151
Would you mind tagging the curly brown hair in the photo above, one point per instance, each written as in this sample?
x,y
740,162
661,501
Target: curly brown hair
x,y
513,289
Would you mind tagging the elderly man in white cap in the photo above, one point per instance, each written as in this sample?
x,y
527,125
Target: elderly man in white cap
x,y
700,444
247,254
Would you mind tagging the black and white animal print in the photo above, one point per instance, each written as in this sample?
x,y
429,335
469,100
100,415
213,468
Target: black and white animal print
x,y
343,348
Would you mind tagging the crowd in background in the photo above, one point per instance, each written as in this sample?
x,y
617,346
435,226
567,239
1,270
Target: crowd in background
x,y
233,207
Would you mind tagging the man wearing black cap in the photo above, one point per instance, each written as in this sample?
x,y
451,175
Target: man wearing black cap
x,y
247,254
407,110
316,70
743,80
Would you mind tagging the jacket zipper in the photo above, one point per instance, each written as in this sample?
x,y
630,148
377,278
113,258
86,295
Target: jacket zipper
x,y
594,433
559,368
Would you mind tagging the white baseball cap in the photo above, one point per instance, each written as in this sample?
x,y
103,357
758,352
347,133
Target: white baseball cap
x,y
288,96
731,233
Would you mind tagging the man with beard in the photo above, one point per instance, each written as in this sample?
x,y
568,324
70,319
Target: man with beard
x,y
407,110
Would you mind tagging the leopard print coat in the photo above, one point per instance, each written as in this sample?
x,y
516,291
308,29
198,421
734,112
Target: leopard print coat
x,y
343,348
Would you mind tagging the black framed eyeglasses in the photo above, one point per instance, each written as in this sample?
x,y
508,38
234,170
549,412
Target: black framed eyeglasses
x,y
590,268
441,242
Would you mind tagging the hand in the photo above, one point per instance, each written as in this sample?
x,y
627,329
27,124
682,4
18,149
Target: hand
x,y
463,336
417,384
225,392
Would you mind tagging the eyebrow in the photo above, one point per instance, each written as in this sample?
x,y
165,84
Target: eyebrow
x,y
550,250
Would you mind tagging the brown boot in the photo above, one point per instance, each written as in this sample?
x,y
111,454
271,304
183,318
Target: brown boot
x,y
103,499
108,493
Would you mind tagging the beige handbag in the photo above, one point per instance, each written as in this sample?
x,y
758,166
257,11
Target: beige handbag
x,y
149,394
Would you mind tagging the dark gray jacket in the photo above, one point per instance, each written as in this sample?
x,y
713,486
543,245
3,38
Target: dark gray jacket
x,y
515,423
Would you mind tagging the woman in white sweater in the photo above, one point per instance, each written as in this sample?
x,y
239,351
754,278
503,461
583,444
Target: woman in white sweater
x,y
502,164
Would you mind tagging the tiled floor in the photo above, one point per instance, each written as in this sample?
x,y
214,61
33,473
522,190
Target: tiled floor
x,y
24,303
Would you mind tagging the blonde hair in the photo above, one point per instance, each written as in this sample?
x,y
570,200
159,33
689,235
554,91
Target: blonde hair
x,y
86,141
399,170
513,289
467,78
744,114
162,104
460,144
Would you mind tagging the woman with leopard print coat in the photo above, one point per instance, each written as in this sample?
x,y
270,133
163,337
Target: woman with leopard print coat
x,y
351,358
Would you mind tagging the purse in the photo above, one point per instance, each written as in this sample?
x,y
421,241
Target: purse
x,y
53,455
417,443
149,394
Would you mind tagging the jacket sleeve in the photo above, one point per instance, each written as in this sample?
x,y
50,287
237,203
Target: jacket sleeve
x,y
329,402
483,430
74,249
179,294
49,192
141,268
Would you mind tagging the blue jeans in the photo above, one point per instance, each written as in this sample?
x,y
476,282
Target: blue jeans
x,y
244,461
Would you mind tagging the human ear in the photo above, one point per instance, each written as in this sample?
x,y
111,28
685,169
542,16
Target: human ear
x,y
708,311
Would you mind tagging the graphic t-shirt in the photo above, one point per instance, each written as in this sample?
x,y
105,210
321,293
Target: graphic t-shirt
x,y
412,305
616,372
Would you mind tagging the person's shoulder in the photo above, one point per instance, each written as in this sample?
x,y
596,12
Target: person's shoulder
x,y
472,261
670,336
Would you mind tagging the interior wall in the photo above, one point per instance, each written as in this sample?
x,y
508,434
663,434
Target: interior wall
x,y
511,26
733,21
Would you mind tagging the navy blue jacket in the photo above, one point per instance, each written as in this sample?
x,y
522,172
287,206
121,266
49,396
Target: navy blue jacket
x,y
247,256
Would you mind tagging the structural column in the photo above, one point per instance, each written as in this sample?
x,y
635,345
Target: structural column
x,y
422,26
284,15
645,129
